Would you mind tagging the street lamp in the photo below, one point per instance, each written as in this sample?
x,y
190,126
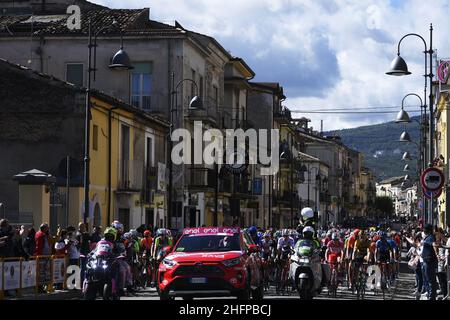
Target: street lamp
x,y
404,137
196,103
400,68
120,61
406,156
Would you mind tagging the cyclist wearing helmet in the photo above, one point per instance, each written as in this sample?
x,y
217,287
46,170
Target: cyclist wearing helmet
x,y
253,232
161,241
350,244
267,245
395,253
383,250
285,243
335,250
146,242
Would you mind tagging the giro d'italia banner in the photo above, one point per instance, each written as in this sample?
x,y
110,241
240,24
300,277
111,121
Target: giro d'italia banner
x,y
28,273
11,275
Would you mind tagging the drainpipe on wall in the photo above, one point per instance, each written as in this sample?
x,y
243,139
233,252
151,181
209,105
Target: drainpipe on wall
x,y
109,164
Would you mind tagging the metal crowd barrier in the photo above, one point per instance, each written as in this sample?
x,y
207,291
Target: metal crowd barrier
x,y
39,272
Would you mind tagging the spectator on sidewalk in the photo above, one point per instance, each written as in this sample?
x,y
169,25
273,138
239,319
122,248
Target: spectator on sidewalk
x,y
96,236
61,245
441,272
28,242
83,239
42,241
17,242
72,246
415,253
6,239
430,261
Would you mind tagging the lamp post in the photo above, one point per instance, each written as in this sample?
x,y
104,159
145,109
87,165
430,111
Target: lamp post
x,y
120,61
195,104
400,68
403,117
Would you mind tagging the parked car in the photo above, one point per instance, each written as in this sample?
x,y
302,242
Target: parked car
x,y
212,262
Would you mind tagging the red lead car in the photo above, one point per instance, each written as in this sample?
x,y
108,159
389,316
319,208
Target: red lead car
x,y
212,262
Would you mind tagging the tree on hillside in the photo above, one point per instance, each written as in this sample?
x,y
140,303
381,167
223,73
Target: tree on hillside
x,y
384,205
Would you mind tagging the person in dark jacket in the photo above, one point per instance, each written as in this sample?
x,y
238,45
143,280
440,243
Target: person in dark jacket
x,y
6,239
28,243
83,239
430,261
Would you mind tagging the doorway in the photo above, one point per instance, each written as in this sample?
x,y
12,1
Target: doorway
x,y
124,218
149,217
191,217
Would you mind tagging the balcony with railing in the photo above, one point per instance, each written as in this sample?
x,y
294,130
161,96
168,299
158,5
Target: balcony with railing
x,y
200,177
131,173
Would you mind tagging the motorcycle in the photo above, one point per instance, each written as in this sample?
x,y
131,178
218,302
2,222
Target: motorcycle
x,y
100,279
306,270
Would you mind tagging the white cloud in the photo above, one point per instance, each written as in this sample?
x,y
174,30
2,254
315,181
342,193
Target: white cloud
x,y
361,36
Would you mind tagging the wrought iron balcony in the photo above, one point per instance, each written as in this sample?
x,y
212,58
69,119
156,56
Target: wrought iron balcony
x,y
197,177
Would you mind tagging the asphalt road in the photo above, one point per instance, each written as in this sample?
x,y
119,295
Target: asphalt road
x,y
401,290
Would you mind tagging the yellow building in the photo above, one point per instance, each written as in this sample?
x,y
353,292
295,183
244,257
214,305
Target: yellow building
x,y
442,146
127,167
43,130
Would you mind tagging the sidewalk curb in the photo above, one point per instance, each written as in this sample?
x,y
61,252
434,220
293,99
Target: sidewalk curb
x,y
57,295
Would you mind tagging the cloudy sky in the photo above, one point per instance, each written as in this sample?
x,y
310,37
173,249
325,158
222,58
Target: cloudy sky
x,y
327,54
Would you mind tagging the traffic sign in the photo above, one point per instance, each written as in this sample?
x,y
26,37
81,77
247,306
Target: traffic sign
x,y
432,179
428,193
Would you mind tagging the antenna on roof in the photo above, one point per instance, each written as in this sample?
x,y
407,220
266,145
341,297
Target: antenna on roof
x,y
178,25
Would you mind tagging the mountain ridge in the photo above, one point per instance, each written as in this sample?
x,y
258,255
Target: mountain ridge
x,y
379,143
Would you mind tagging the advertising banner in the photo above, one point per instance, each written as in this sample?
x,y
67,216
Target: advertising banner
x,y
28,273
59,270
11,275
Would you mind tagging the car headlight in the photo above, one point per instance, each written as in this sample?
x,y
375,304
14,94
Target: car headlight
x,y
231,262
169,263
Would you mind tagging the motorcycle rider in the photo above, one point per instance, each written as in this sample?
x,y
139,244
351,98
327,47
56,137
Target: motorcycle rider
x,y
308,239
105,247
307,219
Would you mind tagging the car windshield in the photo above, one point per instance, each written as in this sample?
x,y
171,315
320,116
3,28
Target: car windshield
x,y
208,243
